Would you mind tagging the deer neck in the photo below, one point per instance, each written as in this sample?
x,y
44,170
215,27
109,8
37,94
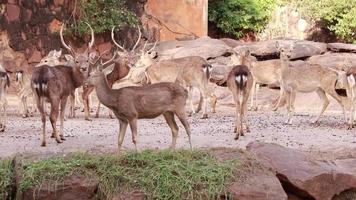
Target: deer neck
x,y
284,64
104,92
78,77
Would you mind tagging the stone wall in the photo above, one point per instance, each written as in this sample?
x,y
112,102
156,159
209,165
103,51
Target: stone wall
x,y
177,19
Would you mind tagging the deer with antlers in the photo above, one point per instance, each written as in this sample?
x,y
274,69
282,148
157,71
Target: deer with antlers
x,y
56,83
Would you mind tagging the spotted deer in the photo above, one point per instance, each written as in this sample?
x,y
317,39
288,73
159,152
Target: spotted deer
x,y
306,79
4,85
240,82
55,83
141,102
191,72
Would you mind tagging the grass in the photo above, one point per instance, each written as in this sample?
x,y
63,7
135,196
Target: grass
x,y
159,174
6,180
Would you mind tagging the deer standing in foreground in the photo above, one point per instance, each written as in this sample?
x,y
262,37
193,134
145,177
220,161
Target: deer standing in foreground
x,y
306,79
239,82
263,72
4,84
132,103
56,83
190,72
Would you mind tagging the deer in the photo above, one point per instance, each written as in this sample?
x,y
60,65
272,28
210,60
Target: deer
x,y
263,72
141,102
55,83
25,93
122,67
4,85
240,81
306,79
190,72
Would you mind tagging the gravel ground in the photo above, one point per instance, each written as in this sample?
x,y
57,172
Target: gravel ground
x,y
329,137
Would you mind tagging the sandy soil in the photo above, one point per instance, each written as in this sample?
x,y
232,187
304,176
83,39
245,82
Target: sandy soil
x,y
329,137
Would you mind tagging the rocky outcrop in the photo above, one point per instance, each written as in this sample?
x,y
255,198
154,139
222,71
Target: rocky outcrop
x,y
341,47
303,175
75,186
334,60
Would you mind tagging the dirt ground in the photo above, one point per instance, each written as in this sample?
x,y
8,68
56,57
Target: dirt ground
x,y
328,138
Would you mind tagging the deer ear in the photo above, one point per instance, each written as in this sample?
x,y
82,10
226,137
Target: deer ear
x,y
69,57
57,53
50,54
92,55
109,69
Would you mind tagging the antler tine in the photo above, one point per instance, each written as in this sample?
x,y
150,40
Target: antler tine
x,y
113,39
69,48
110,60
154,46
138,39
91,43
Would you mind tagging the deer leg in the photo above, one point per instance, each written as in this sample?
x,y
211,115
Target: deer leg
x,y
190,100
53,118
326,102
291,105
280,99
133,127
62,111
85,97
213,101
333,94
352,108
183,119
169,117
4,120
200,103
205,106
40,107
252,101
72,106
244,109
23,106
288,100
111,114
98,110
123,127
238,125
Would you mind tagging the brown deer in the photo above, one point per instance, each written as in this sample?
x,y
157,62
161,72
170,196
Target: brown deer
x,y
306,79
240,81
56,83
138,102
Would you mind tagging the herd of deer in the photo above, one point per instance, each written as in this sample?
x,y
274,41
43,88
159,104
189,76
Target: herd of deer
x,y
146,88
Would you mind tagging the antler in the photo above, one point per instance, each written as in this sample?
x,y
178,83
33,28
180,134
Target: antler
x,y
138,39
113,39
110,60
154,46
91,43
69,48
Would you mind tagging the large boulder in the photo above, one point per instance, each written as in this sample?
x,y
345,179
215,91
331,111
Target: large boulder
x,y
266,50
252,180
334,60
341,47
204,47
303,175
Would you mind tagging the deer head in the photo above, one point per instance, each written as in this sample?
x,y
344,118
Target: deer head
x,y
128,55
147,56
80,60
52,59
99,68
285,52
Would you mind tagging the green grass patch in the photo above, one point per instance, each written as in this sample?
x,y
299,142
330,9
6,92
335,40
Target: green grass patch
x,y
159,174
6,178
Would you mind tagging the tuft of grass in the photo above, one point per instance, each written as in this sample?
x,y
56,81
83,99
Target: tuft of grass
x,y
164,174
6,178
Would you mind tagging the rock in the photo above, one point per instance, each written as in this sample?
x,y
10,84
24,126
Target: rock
x,y
12,12
252,180
35,57
304,176
266,50
73,187
204,47
334,60
231,42
341,47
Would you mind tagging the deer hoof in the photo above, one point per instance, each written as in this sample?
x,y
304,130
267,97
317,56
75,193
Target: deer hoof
x,y
88,119
24,115
96,116
236,137
43,144
59,141
205,116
